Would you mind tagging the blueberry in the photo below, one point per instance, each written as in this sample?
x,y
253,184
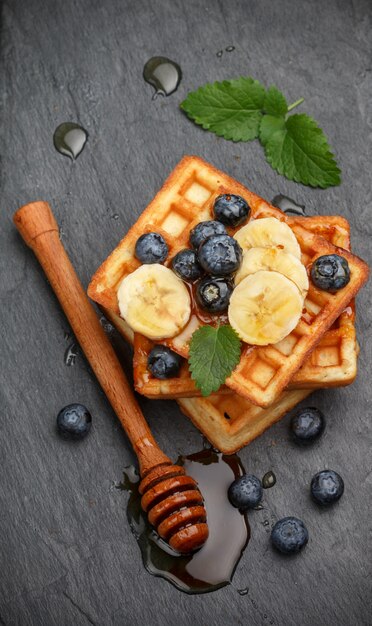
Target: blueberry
x,y
231,210
203,230
213,293
185,264
330,272
307,425
163,362
74,421
151,248
327,487
289,535
245,492
220,255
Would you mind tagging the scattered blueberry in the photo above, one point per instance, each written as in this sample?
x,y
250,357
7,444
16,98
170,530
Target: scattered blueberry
x,y
268,480
74,421
330,272
245,492
213,293
220,255
327,487
151,248
163,362
289,535
231,210
203,230
185,264
307,425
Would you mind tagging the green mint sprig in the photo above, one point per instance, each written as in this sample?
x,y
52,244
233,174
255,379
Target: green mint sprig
x,y
214,353
242,110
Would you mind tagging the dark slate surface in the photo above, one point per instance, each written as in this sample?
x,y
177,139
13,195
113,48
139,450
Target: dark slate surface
x,y
67,555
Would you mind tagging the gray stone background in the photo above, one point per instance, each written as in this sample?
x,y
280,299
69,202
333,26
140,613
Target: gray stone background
x,y
67,554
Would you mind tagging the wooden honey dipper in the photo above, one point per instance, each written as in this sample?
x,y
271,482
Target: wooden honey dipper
x,y
171,499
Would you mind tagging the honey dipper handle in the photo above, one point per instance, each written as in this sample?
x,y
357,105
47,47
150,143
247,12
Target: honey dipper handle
x,y
38,227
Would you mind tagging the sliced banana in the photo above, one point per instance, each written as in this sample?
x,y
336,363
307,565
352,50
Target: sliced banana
x,y
264,308
268,232
256,259
154,301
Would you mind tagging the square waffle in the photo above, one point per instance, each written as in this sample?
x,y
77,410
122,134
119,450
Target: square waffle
x,y
332,363
187,198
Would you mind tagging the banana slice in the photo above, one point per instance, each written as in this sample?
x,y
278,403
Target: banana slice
x,y
268,232
264,308
154,301
256,259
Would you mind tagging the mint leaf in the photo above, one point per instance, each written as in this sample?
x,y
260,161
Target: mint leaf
x,y
275,103
269,125
231,109
298,149
214,353
241,110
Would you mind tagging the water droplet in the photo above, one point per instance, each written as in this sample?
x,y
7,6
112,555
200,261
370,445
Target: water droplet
x,y
107,327
230,48
243,592
219,54
163,74
130,479
206,444
266,522
115,216
269,480
69,139
287,205
71,354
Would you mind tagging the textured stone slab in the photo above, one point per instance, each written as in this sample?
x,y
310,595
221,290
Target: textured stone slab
x,y
67,555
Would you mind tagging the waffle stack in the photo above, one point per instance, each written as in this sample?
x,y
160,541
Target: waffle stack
x,y
269,380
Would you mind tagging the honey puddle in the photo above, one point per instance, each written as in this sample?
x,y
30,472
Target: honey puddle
x,y
214,564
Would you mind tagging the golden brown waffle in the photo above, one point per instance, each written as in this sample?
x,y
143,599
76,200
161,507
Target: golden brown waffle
x,y
187,198
231,422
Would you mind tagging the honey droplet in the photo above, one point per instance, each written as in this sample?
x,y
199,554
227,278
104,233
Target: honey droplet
x,y
69,139
163,74
269,480
287,205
